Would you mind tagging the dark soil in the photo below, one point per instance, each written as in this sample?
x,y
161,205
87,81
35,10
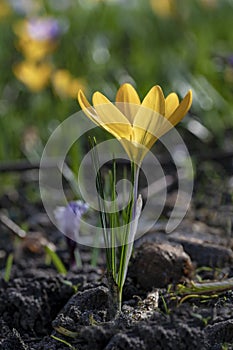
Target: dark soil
x,y
40,309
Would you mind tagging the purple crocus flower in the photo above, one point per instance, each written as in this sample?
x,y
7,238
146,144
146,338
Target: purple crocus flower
x,y
230,60
44,29
68,221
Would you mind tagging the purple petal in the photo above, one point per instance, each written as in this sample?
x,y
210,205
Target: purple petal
x,y
230,60
68,218
43,29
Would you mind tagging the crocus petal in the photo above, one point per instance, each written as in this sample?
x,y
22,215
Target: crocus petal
x,y
92,114
182,109
130,148
149,140
87,108
149,116
171,103
111,118
115,116
128,101
68,218
154,100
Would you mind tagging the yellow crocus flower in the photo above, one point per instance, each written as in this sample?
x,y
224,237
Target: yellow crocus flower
x,y
164,8
65,85
33,47
35,50
35,76
209,4
137,125
5,9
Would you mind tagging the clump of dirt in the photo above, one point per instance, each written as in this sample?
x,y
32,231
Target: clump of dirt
x,y
30,304
160,264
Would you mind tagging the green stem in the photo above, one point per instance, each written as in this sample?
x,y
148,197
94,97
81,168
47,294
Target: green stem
x,y
113,222
119,301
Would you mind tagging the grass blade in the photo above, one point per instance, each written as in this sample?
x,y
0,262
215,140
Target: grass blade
x,y
8,268
56,260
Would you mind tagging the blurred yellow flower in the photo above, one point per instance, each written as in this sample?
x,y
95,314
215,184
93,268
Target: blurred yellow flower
x,y
35,50
163,8
37,38
5,9
65,85
137,125
228,75
35,76
209,4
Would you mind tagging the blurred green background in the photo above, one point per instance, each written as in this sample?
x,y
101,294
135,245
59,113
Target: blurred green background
x,y
49,49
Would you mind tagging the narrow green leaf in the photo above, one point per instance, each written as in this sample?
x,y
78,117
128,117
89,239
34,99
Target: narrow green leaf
x,y
64,342
8,267
56,260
